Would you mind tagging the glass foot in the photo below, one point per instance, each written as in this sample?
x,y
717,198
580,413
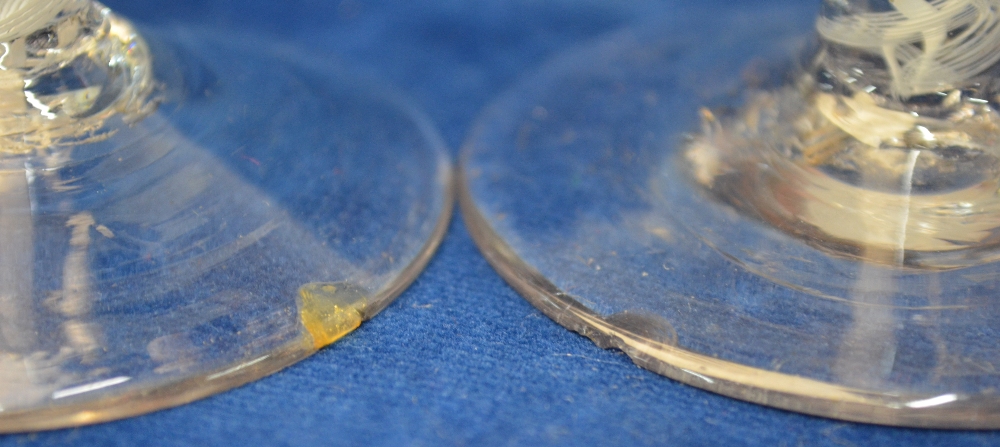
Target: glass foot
x,y
806,232
181,214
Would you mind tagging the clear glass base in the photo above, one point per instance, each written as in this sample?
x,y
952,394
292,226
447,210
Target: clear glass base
x,y
268,206
594,189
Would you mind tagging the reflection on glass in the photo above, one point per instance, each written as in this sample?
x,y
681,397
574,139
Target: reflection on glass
x,y
815,233
183,216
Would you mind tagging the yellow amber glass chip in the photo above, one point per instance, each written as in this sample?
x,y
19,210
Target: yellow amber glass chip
x,y
330,311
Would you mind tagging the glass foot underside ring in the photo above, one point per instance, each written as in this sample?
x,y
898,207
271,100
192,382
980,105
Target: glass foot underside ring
x,y
581,186
264,207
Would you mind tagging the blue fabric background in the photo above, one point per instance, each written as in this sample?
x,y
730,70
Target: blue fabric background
x,y
460,358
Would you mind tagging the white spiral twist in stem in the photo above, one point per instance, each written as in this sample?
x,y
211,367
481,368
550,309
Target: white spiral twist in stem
x,y
928,46
19,18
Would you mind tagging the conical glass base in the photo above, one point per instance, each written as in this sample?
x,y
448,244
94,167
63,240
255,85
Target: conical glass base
x,y
260,208
638,192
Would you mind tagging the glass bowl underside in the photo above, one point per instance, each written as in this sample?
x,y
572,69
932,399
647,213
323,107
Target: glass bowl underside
x,y
266,208
576,187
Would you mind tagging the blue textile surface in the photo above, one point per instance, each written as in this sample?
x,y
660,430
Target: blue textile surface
x,y
459,358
